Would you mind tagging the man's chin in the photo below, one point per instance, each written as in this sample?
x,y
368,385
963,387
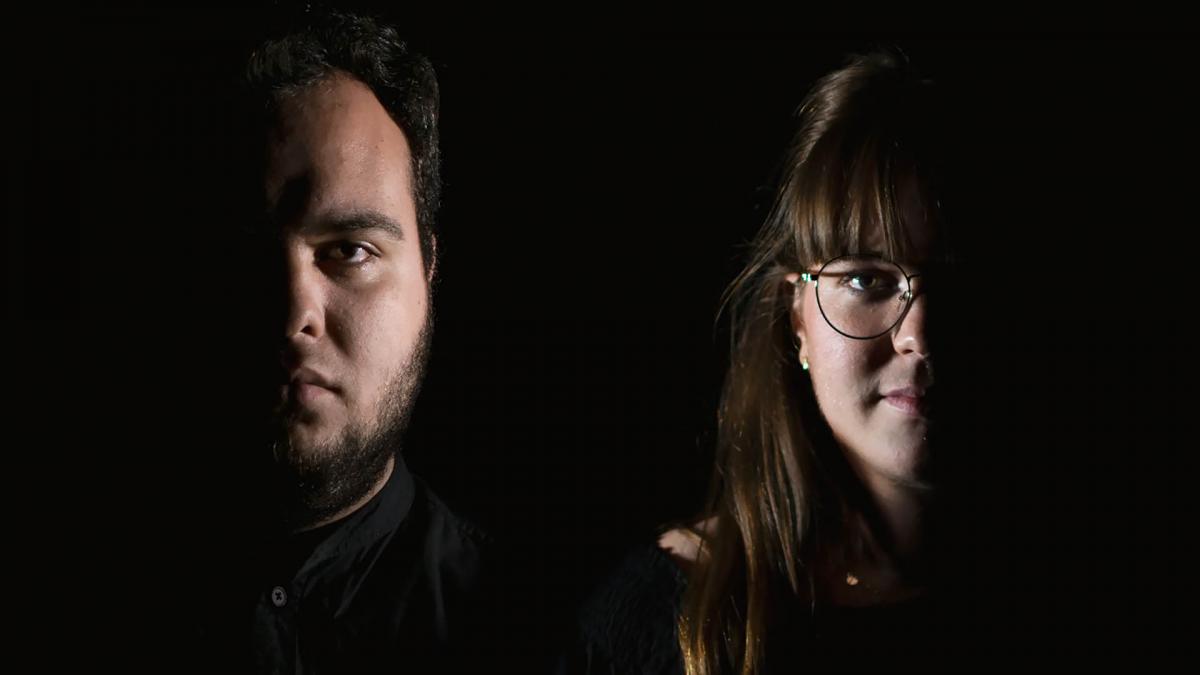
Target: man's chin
x,y
290,413
305,445
320,469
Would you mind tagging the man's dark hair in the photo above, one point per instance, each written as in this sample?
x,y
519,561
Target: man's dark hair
x,y
404,82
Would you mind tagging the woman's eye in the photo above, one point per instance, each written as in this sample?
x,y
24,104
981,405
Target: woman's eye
x,y
864,282
870,282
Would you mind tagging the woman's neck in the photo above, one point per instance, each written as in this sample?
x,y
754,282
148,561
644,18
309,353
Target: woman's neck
x,y
903,510
881,555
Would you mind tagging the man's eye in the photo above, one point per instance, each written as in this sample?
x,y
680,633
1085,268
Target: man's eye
x,y
347,252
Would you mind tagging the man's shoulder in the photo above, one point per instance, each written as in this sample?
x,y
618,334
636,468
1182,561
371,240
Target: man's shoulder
x,y
444,523
452,547
427,580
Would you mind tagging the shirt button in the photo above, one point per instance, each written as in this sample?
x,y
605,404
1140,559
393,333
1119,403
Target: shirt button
x,y
278,596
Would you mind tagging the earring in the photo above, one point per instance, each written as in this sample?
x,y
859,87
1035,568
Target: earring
x,y
803,361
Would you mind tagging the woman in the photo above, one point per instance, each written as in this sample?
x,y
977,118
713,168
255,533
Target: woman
x,y
816,548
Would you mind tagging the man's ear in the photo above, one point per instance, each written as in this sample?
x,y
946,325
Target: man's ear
x,y
432,263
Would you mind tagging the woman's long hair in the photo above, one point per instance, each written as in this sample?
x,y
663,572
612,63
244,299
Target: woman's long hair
x,y
781,489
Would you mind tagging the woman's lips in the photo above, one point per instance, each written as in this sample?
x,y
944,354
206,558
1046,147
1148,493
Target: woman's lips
x,y
911,400
911,405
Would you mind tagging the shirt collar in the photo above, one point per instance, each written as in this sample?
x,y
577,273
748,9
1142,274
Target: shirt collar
x,y
375,520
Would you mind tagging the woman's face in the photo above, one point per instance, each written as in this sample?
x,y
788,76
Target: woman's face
x,y
874,393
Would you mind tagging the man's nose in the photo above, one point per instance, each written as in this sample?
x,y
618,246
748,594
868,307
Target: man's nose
x,y
303,314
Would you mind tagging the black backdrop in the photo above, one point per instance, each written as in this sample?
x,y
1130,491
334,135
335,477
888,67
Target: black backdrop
x,y
599,185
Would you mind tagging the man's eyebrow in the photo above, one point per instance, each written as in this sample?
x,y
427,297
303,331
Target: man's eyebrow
x,y
354,221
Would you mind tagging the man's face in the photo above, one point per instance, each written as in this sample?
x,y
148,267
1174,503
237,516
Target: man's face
x,y
338,181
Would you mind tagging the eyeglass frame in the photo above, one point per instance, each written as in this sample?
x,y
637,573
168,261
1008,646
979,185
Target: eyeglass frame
x,y
907,296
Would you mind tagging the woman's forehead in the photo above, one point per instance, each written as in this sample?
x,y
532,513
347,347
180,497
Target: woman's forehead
x,y
916,240
913,227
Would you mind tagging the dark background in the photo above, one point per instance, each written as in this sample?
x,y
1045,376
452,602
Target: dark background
x,y
599,188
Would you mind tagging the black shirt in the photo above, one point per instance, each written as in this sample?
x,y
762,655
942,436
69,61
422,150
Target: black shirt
x,y
398,585
628,626
628,623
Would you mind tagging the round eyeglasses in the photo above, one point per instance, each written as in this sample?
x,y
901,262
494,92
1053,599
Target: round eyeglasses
x,y
861,296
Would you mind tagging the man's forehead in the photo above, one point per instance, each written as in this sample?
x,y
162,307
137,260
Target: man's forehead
x,y
298,212
335,104
334,149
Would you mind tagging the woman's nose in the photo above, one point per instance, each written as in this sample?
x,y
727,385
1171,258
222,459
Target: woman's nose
x,y
910,335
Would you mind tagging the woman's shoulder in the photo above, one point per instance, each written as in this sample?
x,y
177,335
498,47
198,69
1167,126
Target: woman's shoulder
x,y
643,588
627,624
684,545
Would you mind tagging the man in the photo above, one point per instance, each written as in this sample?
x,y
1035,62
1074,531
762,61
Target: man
x,y
370,570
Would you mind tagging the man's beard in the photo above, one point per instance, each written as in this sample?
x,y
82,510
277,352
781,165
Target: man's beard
x,y
316,483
